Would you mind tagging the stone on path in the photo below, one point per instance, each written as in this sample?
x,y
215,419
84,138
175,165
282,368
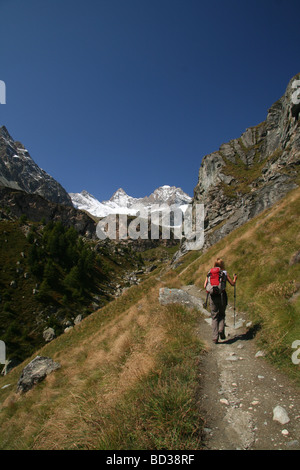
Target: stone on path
x,y
280,415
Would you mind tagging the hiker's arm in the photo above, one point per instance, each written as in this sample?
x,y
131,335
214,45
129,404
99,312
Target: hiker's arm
x,y
232,282
205,282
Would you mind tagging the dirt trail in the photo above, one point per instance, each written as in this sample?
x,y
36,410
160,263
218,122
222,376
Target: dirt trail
x,y
240,391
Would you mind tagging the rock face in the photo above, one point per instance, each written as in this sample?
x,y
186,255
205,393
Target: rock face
x,y
37,208
35,372
19,171
249,174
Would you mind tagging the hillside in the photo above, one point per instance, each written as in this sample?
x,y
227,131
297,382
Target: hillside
x,y
50,276
129,376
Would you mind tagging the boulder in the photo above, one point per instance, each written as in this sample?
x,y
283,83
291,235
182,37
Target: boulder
x,y
35,372
78,319
49,335
179,296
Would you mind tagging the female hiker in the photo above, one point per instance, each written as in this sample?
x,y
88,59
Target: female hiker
x,y
215,285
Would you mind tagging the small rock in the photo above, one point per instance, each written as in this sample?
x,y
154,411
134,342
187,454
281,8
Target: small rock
x,y
239,324
280,415
224,401
69,328
285,432
232,358
5,386
260,354
207,430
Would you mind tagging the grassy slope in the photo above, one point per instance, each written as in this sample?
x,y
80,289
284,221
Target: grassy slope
x,y
128,381
129,371
24,316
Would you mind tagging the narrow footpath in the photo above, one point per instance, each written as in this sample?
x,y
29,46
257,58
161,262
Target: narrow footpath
x,y
240,391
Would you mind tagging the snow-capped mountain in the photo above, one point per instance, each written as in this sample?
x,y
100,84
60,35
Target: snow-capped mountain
x,y
122,203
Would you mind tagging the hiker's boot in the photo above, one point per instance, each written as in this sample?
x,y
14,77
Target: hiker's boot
x,y
222,335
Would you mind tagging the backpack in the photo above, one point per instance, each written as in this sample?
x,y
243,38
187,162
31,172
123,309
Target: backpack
x,y
216,281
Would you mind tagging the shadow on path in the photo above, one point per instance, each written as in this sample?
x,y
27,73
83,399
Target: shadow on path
x,y
247,336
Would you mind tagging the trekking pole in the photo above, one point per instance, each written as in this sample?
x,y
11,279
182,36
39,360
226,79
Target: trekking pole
x,y
234,304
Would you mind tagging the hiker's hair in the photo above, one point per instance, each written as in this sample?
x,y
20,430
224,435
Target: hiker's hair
x,y
219,263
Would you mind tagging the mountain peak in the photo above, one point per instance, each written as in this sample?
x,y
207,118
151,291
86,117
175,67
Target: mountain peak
x,y
19,171
119,192
122,203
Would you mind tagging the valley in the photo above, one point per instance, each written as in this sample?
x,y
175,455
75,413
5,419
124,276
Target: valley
x,y
136,373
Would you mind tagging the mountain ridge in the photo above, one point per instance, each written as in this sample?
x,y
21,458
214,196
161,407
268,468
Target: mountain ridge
x,y
19,171
252,172
122,203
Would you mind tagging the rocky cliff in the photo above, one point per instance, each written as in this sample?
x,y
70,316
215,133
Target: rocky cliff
x,y
15,203
19,171
250,173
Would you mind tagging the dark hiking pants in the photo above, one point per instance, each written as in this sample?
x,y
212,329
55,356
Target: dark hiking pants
x,y
218,305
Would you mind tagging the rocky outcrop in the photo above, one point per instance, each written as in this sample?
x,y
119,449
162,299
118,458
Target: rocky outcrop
x,y
19,171
250,173
37,208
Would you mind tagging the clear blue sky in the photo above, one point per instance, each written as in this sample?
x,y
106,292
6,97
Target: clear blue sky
x,y
133,93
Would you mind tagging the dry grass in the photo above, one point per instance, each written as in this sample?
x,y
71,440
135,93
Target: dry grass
x,y
129,371
90,402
